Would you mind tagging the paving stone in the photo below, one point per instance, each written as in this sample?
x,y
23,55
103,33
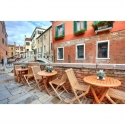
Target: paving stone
x,y
19,99
66,100
45,98
36,102
16,96
30,99
2,88
17,91
64,95
4,94
13,88
4,101
55,100
70,95
62,102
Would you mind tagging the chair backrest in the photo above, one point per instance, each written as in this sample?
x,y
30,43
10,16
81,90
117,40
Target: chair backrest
x,y
64,78
30,70
72,78
35,70
16,67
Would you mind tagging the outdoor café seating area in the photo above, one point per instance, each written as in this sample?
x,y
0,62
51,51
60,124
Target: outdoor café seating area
x,y
97,86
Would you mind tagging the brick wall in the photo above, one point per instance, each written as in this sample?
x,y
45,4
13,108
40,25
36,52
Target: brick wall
x,y
112,70
116,48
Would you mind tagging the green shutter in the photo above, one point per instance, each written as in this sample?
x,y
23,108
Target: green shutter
x,y
56,31
85,24
75,26
63,29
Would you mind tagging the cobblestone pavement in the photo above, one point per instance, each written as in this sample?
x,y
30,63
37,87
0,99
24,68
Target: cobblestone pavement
x,y
12,92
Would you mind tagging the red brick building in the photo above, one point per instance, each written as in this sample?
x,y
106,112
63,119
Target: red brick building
x,y
3,41
80,42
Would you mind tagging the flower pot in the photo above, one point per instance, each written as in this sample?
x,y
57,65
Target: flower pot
x,y
100,78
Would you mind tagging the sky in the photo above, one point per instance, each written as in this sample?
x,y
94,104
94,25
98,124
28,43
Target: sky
x,y
17,30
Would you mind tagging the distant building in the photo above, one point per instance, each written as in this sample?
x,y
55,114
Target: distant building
x,y
20,51
28,47
44,44
37,31
11,50
3,41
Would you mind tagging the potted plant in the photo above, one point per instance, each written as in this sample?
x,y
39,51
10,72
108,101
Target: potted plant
x,y
101,74
23,66
49,68
59,37
80,32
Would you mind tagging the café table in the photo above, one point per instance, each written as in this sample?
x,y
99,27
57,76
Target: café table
x,y
21,72
48,76
103,84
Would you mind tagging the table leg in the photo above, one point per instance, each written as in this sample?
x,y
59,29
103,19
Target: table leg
x,y
45,85
101,96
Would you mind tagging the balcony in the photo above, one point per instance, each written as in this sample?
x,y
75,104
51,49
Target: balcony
x,y
102,26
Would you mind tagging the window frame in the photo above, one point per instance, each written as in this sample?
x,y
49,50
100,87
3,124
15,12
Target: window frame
x,y
77,51
108,49
63,30
57,53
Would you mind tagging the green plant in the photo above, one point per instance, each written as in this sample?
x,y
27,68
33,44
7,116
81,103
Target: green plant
x,y
23,66
101,23
59,37
80,31
100,73
49,68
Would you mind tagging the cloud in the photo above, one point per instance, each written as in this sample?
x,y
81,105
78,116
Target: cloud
x,y
17,30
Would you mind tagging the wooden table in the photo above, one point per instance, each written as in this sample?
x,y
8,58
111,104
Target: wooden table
x,y
20,71
48,76
104,84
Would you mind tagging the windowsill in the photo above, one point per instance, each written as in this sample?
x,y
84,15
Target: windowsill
x,y
102,58
60,59
79,58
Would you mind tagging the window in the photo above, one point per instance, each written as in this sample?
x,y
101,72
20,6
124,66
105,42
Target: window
x,y
27,49
38,41
60,30
2,40
79,25
12,48
27,43
40,32
102,49
6,53
80,51
60,53
44,36
44,48
12,53
41,40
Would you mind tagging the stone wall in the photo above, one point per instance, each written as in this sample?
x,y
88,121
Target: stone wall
x,y
112,70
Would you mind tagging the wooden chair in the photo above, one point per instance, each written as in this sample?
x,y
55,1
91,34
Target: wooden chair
x,y
29,75
38,78
115,94
16,72
76,87
59,83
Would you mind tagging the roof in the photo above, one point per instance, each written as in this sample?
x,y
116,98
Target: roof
x,y
37,28
27,39
44,32
10,45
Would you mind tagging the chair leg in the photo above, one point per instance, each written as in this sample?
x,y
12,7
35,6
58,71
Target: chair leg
x,y
110,99
55,91
27,81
